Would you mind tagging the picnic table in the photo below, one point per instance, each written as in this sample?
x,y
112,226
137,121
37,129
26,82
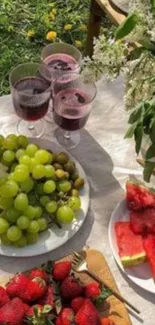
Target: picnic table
x,y
107,159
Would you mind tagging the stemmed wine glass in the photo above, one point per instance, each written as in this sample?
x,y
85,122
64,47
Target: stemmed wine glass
x,y
73,96
30,85
61,58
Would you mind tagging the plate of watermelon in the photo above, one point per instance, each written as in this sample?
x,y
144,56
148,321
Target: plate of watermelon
x,y
132,235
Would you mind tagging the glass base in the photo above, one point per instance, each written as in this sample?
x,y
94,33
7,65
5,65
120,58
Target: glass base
x,y
49,116
67,139
32,129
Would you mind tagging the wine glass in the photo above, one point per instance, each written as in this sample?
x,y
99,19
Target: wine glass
x,y
61,58
30,85
73,96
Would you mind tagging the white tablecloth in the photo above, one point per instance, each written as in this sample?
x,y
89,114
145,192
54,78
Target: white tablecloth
x,y
108,159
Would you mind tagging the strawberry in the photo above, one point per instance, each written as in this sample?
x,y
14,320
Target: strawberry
x,y
4,298
87,314
17,286
66,316
70,288
35,273
107,321
12,313
58,321
36,289
26,307
92,290
49,297
61,270
77,303
30,311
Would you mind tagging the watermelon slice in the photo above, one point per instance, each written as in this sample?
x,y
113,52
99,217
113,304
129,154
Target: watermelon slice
x,y
143,222
149,246
131,250
139,197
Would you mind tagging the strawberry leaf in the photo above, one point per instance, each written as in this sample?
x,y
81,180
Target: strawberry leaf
x,y
103,296
58,305
46,309
49,267
148,170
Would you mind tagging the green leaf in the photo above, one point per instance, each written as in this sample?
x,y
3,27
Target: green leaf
x,y
103,295
150,152
3,19
46,309
138,138
148,169
147,44
58,306
152,133
137,114
153,4
127,26
130,131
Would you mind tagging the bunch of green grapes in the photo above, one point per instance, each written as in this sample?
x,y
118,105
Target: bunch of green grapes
x,y
40,188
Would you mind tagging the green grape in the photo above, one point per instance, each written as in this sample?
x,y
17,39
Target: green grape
x,y
39,189
4,162
25,160
65,214
51,206
12,137
74,203
50,157
12,215
30,212
6,203
33,227
31,149
42,155
27,185
42,224
49,171
49,186
14,233
44,200
74,176
62,158
13,167
1,140
21,202
23,222
60,173
79,183
11,176
38,212
38,172
32,238
21,173
9,189
69,167
4,225
64,186
3,180
20,153
10,144
5,240
57,166
21,242
22,141
8,156
33,199
74,192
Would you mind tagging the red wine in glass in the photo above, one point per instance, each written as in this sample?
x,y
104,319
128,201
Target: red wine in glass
x,y
71,109
61,61
28,106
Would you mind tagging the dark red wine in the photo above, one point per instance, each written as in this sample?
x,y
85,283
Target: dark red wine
x,y
61,61
28,106
71,109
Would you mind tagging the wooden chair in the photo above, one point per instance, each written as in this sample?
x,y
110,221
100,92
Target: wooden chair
x,y
99,8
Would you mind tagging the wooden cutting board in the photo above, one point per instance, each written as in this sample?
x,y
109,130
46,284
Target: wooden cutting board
x,y
97,263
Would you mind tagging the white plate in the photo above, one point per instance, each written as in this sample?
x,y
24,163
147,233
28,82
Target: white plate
x,y
54,237
141,274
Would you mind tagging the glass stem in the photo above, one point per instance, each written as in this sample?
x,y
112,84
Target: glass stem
x,y
30,126
67,135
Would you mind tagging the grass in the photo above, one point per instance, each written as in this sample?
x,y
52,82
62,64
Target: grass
x,y
24,25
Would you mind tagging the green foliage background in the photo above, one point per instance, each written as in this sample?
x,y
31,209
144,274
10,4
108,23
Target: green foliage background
x,y
17,17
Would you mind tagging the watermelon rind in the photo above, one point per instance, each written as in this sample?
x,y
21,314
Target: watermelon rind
x,y
131,261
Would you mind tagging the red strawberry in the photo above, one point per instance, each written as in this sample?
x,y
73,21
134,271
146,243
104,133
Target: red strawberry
x,y
61,270
87,314
70,288
77,303
36,289
4,298
49,297
66,316
26,307
35,273
107,321
30,311
17,285
12,313
58,321
92,290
